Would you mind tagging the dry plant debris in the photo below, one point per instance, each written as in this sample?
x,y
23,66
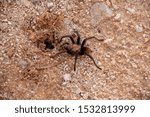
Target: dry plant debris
x,y
45,27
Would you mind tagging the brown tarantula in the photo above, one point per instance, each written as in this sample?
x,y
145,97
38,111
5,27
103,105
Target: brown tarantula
x,y
77,48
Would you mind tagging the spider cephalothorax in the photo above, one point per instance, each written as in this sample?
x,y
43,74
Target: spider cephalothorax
x,y
77,47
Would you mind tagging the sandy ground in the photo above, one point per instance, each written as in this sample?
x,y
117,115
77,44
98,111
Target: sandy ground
x,y
28,72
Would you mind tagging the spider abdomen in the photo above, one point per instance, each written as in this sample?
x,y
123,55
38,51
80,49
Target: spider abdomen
x,y
73,49
85,50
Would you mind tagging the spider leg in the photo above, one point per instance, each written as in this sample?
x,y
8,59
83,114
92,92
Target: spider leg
x,y
70,37
78,37
84,41
57,54
93,60
76,57
64,44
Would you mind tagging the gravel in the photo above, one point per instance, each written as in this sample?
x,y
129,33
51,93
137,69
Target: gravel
x,y
27,72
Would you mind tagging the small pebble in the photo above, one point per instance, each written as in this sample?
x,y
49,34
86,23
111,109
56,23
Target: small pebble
x,y
138,28
25,2
78,91
106,9
10,52
117,16
50,5
99,11
67,77
23,63
131,10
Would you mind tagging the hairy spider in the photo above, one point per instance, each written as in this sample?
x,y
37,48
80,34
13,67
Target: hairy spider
x,y
77,48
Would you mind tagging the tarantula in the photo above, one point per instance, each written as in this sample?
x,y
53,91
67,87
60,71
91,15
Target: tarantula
x,y
77,48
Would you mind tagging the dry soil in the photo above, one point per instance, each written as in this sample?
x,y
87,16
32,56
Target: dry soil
x,y
29,72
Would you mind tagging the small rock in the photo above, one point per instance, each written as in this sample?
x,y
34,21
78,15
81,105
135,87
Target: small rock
x,y
78,91
109,40
112,77
25,2
113,61
117,16
131,10
134,65
67,77
50,5
36,2
138,28
1,58
9,23
23,63
99,11
106,9
85,96
148,48
10,52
